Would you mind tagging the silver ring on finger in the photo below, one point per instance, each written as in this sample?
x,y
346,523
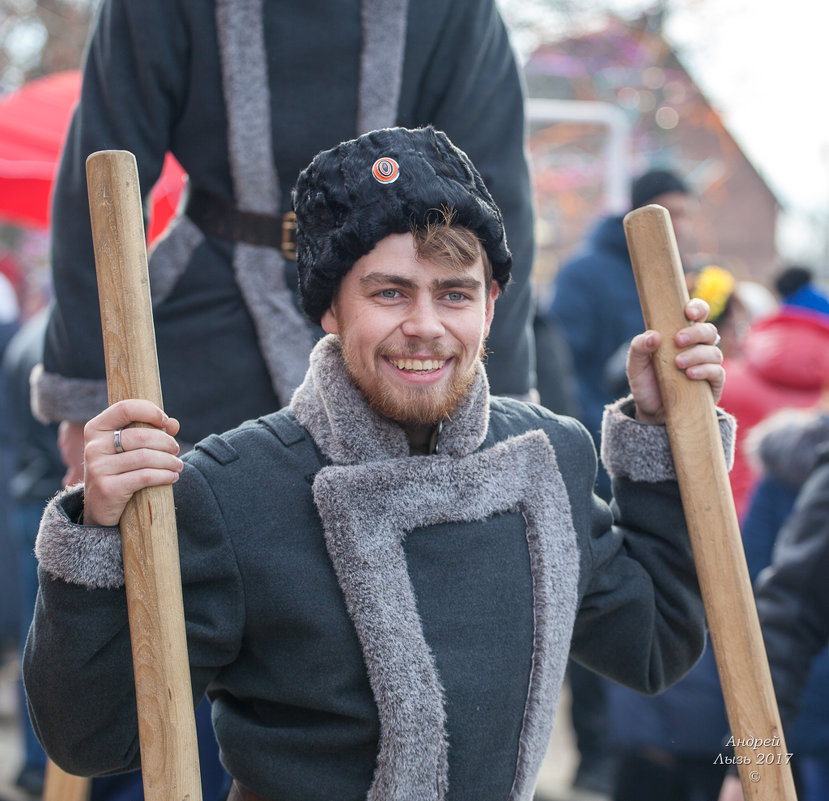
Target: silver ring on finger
x,y
116,435
717,341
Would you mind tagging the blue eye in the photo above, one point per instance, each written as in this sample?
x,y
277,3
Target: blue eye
x,y
389,293
455,296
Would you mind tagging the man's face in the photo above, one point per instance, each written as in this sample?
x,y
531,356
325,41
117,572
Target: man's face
x,y
411,331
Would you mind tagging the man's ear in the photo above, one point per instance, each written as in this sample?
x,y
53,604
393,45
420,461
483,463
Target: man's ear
x,y
329,320
494,291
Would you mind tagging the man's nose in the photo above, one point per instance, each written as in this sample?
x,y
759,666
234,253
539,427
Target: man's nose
x,y
423,320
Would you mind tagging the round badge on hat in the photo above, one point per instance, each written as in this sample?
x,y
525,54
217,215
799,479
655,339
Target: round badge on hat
x,y
386,170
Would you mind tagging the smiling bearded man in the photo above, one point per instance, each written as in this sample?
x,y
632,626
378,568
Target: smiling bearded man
x,y
383,581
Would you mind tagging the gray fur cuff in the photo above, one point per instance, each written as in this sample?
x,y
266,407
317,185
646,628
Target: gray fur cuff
x,y
56,398
85,555
641,451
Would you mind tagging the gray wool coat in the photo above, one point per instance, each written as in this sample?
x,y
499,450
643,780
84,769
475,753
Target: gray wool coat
x,y
374,625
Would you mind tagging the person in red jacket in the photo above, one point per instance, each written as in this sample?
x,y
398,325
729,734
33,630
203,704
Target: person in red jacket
x,y
784,362
777,361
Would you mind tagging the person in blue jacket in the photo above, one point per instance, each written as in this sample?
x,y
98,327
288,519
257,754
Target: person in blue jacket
x,y
595,302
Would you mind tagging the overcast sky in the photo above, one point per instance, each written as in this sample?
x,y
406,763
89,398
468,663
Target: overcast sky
x,y
763,65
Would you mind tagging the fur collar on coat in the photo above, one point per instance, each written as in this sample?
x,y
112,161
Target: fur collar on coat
x,y
371,498
349,432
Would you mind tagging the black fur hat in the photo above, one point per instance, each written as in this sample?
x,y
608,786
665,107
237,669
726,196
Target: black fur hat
x,y
384,182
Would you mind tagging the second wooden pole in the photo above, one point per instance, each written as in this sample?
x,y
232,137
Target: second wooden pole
x,y
701,469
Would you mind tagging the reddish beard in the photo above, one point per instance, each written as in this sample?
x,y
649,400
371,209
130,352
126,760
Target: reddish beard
x,y
416,405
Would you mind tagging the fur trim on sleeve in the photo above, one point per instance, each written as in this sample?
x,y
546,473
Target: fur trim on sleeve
x,y
56,398
641,451
85,555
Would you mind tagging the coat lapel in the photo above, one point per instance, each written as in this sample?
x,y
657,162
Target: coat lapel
x,y
370,499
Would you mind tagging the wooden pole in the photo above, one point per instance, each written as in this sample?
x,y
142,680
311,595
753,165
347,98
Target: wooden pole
x,y
61,786
166,722
697,450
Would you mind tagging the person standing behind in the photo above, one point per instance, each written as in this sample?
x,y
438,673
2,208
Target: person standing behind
x,y
244,93
789,445
9,609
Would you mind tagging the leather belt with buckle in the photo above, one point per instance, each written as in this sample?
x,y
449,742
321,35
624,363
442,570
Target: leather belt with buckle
x,y
215,215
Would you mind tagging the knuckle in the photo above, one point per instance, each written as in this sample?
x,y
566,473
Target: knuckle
x,y
89,454
147,475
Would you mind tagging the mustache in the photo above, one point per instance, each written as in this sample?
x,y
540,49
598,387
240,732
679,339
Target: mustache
x,y
412,349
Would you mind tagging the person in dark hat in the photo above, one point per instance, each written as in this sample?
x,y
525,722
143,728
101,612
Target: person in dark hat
x,y
797,287
595,303
383,580
657,186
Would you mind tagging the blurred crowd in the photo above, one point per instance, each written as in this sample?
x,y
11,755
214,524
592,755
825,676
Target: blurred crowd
x,y
775,346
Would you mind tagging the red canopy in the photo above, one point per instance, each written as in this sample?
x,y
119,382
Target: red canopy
x,y
33,124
